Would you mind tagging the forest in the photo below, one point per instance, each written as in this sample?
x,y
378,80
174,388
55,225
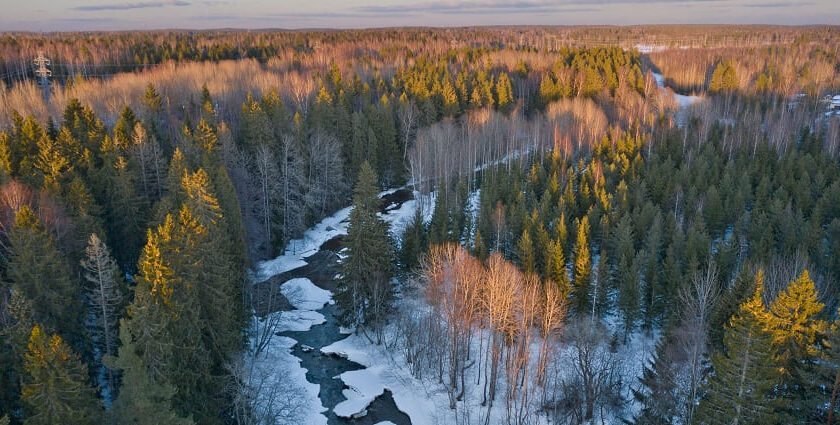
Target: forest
x,y
486,225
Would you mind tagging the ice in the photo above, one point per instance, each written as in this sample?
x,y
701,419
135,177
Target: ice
x,y
298,249
304,295
298,320
363,387
682,100
284,394
384,371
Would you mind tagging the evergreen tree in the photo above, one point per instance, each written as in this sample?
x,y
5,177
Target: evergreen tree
x,y
794,323
738,392
413,242
796,329
723,78
525,252
504,93
626,274
828,374
659,394
142,400
38,270
14,337
583,269
557,270
364,291
166,320
54,389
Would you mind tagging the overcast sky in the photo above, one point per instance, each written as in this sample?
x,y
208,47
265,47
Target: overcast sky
x,y
63,15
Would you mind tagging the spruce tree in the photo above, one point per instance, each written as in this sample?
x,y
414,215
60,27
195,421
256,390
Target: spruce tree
x,y
364,291
828,373
55,388
526,254
38,270
413,242
658,395
583,269
744,373
557,270
166,320
504,93
142,400
796,331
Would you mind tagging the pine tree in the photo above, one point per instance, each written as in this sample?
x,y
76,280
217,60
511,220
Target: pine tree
x,y
142,400
583,269
55,390
738,392
364,291
105,298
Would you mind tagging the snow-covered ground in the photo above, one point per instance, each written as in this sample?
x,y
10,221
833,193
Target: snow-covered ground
x,y
275,365
298,249
274,374
382,371
425,400
682,100
335,225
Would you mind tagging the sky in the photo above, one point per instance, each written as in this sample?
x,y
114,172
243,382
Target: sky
x,y
71,15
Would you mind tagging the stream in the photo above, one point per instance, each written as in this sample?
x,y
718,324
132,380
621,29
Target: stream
x,y
324,369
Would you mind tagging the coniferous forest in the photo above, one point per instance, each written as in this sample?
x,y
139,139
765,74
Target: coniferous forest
x,y
487,225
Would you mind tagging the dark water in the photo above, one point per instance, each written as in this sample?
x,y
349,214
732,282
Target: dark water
x,y
322,369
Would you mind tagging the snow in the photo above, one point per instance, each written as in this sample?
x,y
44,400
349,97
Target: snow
x,y
647,48
277,366
335,225
298,249
382,372
683,100
363,387
304,295
298,320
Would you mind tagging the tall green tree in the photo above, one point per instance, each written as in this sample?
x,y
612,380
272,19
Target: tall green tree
x,y
55,388
364,291
582,281
739,390
142,399
39,271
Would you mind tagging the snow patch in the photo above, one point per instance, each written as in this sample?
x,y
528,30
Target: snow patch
x,y
283,392
363,387
298,320
304,295
382,370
